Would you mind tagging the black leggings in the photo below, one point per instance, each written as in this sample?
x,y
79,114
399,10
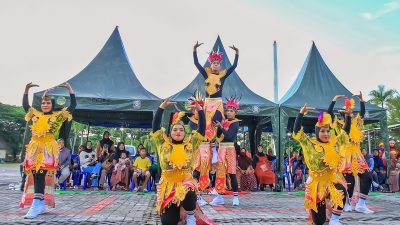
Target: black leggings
x,y
171,215
39,179
365,182
234,182
319,217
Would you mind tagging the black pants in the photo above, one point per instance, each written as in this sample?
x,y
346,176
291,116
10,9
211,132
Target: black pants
x,y
319,217
365,182
171,215
39,179
234,182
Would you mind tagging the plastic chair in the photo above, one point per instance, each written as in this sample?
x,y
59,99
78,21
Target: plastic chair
x,y
76,173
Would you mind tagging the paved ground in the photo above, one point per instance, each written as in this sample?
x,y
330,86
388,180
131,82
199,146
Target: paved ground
x,y
131,208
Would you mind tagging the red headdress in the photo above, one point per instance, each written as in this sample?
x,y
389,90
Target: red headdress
x,y
232,103
197,97
215,56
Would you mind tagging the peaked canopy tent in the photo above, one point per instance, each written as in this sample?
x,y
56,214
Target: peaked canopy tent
x,y
256,112
108,92
316,85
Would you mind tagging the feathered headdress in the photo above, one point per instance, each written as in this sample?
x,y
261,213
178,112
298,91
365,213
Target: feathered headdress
x,y
197,97
215,55
324,119
176,118
349,104
233,103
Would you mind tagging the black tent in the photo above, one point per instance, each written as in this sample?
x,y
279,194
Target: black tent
x,y
108,91
256,112
316,85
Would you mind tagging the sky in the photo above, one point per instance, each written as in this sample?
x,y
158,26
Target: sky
x,y
48,42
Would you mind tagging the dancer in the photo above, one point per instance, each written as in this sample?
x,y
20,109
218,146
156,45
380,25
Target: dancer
x,y
41,159
354,164
202,165
227,133
176,188
214,83
322,160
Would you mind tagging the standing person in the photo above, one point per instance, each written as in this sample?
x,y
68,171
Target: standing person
x,y
202,165
64,160
227,134
214,78
353,162
41,159
263,170
106,140
323,160
177,188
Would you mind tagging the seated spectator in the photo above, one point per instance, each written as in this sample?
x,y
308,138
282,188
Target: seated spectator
x,y
106,140
263,170
80,149
394,172
298,172
74,167
90,165
140,169
106,159
64,160
120,173
120,149
248,180
378,171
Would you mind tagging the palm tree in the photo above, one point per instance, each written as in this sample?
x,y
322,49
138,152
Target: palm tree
x,y
381,96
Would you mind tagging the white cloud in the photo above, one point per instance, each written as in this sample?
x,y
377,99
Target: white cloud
x,y
387,8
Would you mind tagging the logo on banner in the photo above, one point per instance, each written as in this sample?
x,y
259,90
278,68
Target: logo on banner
x,y
256,109
61,100
137,104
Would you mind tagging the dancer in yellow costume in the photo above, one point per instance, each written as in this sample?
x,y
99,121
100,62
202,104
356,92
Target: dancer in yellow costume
x,y
353,164
177,153
41,158
322,158
214,78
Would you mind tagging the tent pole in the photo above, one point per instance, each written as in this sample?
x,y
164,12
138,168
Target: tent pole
x,y
275,72
369,142
88,130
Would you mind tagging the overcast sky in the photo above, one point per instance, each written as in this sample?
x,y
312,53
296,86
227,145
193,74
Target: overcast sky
x,y
48,42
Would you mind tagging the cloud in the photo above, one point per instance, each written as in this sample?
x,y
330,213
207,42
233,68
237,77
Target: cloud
x,y
387,8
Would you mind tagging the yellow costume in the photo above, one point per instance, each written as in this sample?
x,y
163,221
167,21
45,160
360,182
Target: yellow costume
x,y
42,150
176,162
353,161
323,161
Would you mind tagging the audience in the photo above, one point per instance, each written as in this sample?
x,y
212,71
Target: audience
x,y
64,160
247,178
120,175
263,169
89,164
394,172
140,168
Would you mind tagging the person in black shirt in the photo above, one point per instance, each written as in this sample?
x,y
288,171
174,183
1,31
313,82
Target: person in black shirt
x,y
227,160
214,82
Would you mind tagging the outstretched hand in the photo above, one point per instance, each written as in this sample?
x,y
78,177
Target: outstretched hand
x,y
30,85
166,103
196,106
359,96
339,97
234,48
304,109
197,45
67,86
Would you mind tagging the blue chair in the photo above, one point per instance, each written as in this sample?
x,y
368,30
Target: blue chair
x,y
76,172
149,183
